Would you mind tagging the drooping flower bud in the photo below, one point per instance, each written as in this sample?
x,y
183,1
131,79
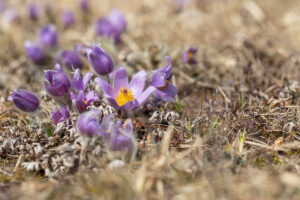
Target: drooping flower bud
x,y
99,60
24,100
67,18
88,123
33,11
48,36
57,83
34,52
83,4
71,60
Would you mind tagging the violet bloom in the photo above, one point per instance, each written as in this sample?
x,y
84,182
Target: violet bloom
x,y
48,36
79,99
83,4
88,123
71,60
34,52
122,139
60,115
117,19
78,83
67,18
124,95
24,100
57,83
82,101
165,90
33,11
99,60
189,56
111,26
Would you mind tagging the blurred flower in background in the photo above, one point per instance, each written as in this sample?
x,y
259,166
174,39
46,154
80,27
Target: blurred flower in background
x,y
111,26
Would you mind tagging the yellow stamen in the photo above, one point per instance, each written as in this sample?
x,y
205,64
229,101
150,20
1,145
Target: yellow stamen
x,y
125,95
85,101
190,55
164,87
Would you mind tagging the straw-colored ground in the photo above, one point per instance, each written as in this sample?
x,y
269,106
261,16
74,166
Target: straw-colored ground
x,y
238,136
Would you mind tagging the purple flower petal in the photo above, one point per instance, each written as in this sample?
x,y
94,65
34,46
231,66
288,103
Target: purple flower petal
x,y
137,83
144,96
105,87
120,79
77,81
86,79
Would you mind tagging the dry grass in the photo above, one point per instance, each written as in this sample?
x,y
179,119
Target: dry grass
x,y
238,132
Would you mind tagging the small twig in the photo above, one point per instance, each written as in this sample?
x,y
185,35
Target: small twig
x,y
18,163
5,173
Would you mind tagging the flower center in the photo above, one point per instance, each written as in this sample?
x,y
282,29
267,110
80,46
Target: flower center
x,y
125,95
190,55
164,87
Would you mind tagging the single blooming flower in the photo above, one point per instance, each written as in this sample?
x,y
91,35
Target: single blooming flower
x,y
82,100
189,56
24,100
84,6
67,18
71,60
88,123
121,137
60,115
48,36
111,26
124,95
34,52
33,11
79,99
165,90
99,60
57,83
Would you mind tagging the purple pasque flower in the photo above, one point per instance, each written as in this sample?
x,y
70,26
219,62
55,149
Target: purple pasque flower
x,y
121,137
78,83
88,123
84,6
60,115
79,98
57,83
165,90
71,60
33,11
82,101
67,18
111,26
124,95
48,36
188,56
34,52
24,100
100,61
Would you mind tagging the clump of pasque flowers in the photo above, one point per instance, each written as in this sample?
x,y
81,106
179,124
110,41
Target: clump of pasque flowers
x,y
75,97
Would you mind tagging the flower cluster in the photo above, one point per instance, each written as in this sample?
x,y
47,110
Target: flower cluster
x,y
76,95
